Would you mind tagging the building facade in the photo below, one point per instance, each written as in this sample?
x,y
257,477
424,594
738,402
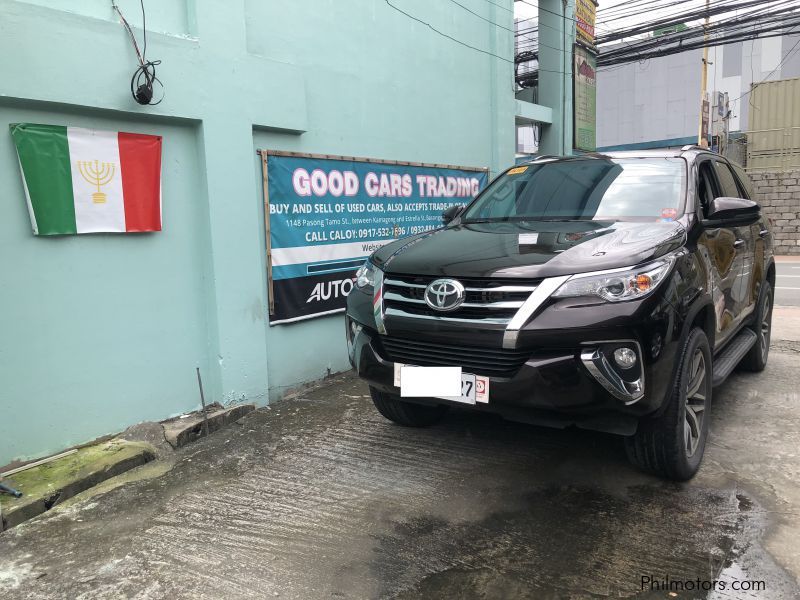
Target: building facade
x,y
656,103
103,331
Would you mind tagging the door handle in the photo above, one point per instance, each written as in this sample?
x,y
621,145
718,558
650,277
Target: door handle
x,y
763,233
738,243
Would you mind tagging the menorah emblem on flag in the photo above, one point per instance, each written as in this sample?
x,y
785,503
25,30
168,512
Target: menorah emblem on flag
x,y
98,174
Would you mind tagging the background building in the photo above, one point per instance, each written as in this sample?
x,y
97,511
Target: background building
x,y
639,65
656,103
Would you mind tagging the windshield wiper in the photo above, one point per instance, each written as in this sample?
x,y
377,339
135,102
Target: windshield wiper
x,y
518,220
493,220
557,220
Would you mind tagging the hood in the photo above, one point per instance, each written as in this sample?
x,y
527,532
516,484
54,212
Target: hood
x,y
531,249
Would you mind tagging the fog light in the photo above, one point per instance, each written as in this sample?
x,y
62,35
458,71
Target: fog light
x,y
625,357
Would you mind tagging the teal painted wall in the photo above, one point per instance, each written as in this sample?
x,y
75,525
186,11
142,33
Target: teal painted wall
x,y
100,332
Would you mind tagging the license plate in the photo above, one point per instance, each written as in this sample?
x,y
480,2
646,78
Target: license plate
x,y
474,388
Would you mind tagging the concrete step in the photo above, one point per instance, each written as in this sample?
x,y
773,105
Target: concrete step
x,y
181,431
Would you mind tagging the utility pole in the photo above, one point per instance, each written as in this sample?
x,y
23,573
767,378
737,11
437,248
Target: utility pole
x,y
701,139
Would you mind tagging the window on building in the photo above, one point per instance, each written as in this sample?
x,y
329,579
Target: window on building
x,y
732,60
791,65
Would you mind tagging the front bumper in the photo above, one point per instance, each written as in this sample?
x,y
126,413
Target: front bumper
x,y
565,376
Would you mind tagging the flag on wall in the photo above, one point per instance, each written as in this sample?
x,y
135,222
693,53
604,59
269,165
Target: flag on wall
x,y
89,181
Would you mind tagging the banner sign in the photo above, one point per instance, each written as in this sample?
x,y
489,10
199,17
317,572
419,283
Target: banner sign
x,y
585,99
325,214
585,12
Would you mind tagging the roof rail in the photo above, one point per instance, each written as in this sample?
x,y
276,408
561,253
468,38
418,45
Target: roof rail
x,y
694,147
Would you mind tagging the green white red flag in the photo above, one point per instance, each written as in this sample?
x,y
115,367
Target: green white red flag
x,y
89,181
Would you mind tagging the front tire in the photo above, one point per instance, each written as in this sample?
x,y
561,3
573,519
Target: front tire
x,y
756,359
672,444
404,413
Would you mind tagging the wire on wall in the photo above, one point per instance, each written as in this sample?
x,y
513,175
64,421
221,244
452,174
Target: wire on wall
x,y
410,16
144,77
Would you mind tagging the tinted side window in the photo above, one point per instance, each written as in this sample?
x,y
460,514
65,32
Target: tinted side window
x,y
726,180
706,186
744,180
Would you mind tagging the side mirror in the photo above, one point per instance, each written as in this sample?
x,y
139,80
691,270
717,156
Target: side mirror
x,y
451,213
727,212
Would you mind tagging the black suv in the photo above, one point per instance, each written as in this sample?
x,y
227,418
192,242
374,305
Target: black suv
x,y
608,292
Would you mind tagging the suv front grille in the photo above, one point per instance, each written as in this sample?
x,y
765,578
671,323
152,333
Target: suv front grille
x,y
491,362
487,300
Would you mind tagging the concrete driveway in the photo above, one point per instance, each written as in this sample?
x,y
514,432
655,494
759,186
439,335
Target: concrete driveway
x,y
319,497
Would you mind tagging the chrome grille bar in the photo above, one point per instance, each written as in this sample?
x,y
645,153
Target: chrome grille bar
x,y
398,283
479,290
394,297
487,302
396,312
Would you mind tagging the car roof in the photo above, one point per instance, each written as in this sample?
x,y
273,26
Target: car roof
x,y
686,151
669,153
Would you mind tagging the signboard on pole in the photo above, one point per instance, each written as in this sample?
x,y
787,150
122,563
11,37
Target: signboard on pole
x,y
585,99
585,13
325,214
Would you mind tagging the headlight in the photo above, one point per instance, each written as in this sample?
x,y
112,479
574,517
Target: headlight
x,y
616,286
365,276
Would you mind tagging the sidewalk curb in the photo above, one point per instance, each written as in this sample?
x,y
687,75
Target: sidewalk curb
x,y
179,432
32,504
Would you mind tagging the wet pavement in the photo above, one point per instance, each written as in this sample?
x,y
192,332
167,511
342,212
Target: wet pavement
x,y
320,497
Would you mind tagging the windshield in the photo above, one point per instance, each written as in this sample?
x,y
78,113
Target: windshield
x,y
628,189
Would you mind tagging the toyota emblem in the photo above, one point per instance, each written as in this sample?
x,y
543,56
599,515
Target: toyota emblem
x,y
444,294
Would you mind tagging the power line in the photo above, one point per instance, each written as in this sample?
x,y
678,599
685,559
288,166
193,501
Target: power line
x,y
469,10
680,18
627,11
636,52
449,37
763,20
547,10
626,6
670,18
757,24
501,6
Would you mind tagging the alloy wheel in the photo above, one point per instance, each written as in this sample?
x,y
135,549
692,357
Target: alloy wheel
x,y
765,328
696,393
